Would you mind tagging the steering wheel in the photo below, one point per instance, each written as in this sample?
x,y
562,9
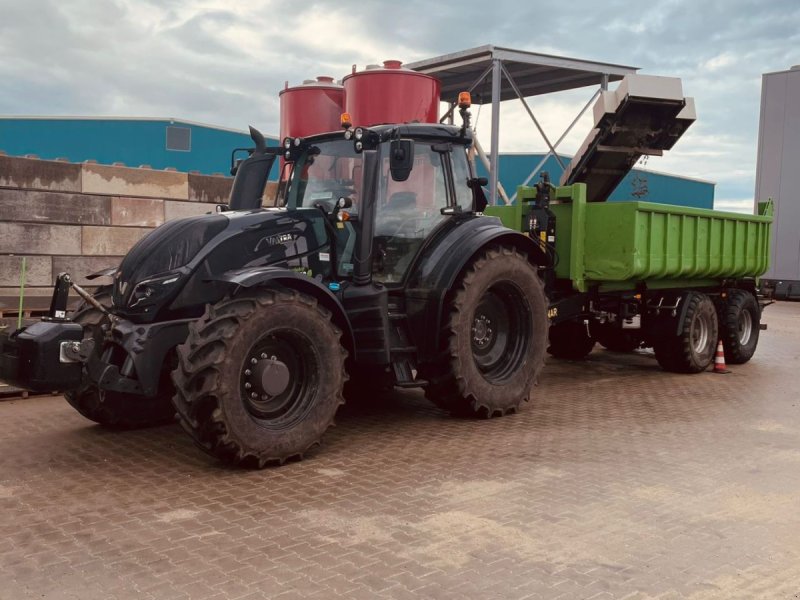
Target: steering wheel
x,y
402,227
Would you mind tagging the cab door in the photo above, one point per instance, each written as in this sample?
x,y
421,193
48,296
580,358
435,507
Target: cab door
x,y
406,212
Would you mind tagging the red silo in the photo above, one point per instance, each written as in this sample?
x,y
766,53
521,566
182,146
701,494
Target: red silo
x,y
313,107
391,94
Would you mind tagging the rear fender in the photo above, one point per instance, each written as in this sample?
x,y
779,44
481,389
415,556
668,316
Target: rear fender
x,y
278,276
441,265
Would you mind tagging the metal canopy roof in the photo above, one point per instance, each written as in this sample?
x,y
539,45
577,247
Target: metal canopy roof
x,y
533,73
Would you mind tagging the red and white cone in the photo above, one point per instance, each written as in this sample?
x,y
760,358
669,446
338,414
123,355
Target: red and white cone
x,y
719,360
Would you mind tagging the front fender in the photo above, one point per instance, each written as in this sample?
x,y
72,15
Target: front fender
x,y
279,276
441,264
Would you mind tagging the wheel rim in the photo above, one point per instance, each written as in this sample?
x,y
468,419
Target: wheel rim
x,y
500,332
279,379
745,327
699,335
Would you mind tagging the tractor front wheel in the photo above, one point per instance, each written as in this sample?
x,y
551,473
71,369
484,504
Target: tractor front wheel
x,y
260,377
494,339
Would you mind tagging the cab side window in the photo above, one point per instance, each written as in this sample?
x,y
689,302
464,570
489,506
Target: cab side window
x,y
461,176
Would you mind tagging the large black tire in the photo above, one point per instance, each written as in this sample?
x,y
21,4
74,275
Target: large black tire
x,y
280,346
494,338
740,321
616,339
692,350
115,410
570,340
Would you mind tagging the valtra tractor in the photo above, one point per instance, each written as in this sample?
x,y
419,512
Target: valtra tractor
x,y
377,268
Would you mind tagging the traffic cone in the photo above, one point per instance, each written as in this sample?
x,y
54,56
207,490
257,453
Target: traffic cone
x,y
719,360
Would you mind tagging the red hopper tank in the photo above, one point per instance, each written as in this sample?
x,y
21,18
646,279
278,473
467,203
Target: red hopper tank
x,y
391,94
313,107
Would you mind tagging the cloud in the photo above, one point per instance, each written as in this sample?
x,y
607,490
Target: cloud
x,y
224,63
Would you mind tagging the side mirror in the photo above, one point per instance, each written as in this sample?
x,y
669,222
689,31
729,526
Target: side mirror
x,y
479,201
479,181
401,159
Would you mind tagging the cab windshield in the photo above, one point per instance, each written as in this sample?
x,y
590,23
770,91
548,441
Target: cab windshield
x,y
324,173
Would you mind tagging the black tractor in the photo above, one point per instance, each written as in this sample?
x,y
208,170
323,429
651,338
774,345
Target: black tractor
x,y
375,269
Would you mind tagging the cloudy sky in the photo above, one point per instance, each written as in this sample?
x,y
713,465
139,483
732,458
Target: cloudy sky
x,y
224,62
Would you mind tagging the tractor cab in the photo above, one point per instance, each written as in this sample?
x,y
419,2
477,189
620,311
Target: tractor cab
x,y
386,190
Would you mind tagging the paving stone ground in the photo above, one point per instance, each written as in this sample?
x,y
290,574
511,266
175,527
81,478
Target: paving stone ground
x,y
618,481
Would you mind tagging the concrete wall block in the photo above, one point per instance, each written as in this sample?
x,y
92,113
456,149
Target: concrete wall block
x,y
208,188
110,241
39,238
122,181
269,193
54,207
10,295
177,210
144,212
38,270
34,174
81,266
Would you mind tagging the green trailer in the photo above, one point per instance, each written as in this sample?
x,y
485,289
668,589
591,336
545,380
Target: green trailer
x,y
632,274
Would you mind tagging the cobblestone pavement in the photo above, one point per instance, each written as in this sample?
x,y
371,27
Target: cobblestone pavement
x,y
618,481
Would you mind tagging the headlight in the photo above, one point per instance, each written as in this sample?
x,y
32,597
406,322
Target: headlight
x,y
287,143
152,290
359,133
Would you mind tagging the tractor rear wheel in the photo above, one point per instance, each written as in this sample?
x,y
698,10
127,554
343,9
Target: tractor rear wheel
x,y
692,349
115,410
494,338
739,322
260,377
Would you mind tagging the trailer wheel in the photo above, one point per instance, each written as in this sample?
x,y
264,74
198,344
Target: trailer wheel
x,y
570,340
115,410
691,350
260,377
494,338
740,320
616,339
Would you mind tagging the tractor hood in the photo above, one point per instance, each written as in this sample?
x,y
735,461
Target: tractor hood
x,y
160,255
180,266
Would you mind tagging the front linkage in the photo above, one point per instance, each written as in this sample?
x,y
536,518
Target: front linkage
x,y
49,355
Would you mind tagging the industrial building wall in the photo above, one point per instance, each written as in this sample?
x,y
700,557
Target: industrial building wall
x,y
778,174
637,185
159,143
81,218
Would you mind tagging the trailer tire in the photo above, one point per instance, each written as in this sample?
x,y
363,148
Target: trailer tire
x,y
493,339
616,339
280,345
740,319
115,410
692,349
570,340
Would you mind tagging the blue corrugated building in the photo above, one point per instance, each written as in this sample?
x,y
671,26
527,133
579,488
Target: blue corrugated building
x,y
188,146
160,143
639,184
